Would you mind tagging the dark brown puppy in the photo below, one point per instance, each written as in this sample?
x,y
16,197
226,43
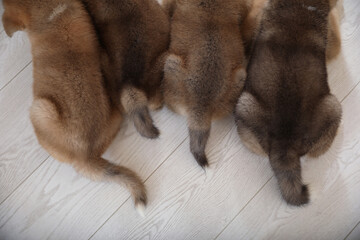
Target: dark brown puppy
x,y
253,20
286,109
134,35
71,113
205,68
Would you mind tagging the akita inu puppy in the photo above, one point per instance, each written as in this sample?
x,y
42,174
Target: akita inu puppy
x,y
71,112
134,35
204,71
286,109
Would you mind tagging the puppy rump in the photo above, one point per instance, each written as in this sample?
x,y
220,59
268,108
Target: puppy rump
x,y
72,114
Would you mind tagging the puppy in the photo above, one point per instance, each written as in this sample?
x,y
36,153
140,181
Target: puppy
x,y
134,35
286,109
71,113
204,71
253,19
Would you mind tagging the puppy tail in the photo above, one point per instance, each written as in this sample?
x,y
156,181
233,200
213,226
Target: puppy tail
x,y
135,104
199,131
103,170
287,168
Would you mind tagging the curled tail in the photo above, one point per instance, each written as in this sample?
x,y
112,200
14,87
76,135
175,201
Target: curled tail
x,y
287,169
102,170
135,104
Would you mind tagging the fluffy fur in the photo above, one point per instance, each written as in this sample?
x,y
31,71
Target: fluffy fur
x,y
252,23
134,35
286,109
205,67
71,113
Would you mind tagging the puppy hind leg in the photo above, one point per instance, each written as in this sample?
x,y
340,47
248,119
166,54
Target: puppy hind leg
x,y
250,115
326,124
48,126
135,103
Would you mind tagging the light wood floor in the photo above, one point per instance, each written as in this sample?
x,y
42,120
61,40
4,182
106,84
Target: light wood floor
x,y
237,198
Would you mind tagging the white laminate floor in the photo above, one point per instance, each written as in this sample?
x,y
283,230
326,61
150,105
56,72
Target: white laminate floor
x,y
237,198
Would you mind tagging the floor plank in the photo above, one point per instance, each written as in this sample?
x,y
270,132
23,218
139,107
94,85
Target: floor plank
x,y
20,153
343,71
355,234
185,202
14,56
72,207
334,182
41,198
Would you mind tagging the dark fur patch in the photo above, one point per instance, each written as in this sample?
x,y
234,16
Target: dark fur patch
x,y
144,123
287,80
198,140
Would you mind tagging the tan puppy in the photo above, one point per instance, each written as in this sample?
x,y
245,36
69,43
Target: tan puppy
x,y
252,23
71,113
286,109
205,68
134,35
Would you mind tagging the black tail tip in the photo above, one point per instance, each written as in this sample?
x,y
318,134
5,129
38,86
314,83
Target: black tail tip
x,y
151,132
202,160
144,124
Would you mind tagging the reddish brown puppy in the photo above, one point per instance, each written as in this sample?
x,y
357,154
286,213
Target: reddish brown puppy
x,y
205,68
71,113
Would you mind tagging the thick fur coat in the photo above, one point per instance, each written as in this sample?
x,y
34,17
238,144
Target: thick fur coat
x,y
286,110
72,115
134,34
205,67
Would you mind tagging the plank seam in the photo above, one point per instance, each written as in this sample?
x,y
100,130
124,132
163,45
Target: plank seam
x,y
144,182
15,76
352,230
244,207
350,92
25,179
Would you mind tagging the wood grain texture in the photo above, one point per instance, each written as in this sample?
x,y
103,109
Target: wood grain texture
x,y
14,56
72,207
186,202
334,181
41,198
20,154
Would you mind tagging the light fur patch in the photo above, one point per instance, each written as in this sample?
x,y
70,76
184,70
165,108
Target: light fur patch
x,y
310,8
57,11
